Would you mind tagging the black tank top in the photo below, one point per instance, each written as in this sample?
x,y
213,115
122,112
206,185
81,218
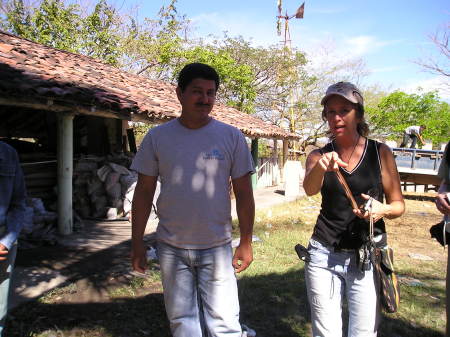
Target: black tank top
x,y
336,224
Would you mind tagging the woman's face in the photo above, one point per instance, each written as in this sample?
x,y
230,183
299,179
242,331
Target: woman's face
x,y
341,116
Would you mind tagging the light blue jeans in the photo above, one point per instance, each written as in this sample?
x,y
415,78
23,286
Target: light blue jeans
x,y
200,291
6,268
329,277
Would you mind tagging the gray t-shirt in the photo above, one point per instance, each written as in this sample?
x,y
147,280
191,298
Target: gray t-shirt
x,y
413,130
444,170
194,166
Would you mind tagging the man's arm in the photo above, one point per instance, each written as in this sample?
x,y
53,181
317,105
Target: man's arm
x,y
245,208
442,203
421,139
140,211
15,216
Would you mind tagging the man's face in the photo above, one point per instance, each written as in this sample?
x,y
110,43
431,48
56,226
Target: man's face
x,y
197,100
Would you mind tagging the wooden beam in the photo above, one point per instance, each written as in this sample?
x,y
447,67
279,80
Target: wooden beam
x,y
59,106
420,178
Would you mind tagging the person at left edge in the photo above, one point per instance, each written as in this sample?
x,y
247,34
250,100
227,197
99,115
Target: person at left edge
x,y
12,214
443,206
194,156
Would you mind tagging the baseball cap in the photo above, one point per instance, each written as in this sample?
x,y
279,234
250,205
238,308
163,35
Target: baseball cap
x,y
345,89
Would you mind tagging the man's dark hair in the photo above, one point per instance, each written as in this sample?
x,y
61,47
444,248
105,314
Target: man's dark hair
x,y
192,71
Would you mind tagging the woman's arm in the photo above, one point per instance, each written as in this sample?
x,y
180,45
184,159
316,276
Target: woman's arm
x,y
316,166
391,184
395,206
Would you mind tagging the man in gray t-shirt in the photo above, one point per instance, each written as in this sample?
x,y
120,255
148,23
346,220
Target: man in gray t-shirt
x,y
413,132
443,205
195,157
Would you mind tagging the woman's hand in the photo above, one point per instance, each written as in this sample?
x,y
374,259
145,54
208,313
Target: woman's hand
x,y
316,166
330,161
379,210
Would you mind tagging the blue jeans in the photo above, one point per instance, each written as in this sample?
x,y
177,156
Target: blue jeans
x,y
200,291
329,277
6,268
406,139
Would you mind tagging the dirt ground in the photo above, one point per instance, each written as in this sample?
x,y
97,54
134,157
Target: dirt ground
x,y
410,233
94,273
93,278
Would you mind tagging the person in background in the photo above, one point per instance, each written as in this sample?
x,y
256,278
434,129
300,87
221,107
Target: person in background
x,y
195,156
336,268
12,214
443,205
413,132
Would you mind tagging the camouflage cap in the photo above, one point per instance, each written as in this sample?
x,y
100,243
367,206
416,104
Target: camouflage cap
x,y
344,89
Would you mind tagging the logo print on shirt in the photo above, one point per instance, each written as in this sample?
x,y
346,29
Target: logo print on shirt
x,y
214,155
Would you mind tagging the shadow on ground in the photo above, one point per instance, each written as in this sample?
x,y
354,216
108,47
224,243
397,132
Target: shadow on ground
x,y
272,304
94,256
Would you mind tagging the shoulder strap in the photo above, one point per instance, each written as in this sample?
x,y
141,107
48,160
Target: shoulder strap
x,y
348,193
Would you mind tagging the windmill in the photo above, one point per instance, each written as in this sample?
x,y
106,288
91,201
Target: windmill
x,y
298,15
287,50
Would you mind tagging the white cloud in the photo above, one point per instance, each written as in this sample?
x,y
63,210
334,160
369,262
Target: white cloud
x,y
439,83
365,44
235,24
386,69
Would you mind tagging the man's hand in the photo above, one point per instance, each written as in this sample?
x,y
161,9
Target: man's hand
x,y
442,203
138,258
3,252
243,257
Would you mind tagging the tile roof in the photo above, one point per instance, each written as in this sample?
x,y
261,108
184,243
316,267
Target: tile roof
x,y
32,74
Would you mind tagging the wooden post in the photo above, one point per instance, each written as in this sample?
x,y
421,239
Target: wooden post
x,y
254,150
65,172
275,161
124,138
285,157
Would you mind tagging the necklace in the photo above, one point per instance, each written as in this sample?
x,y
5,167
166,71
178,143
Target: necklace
x,y
354,147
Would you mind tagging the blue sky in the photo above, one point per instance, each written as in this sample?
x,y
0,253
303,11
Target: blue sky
x,y
387,35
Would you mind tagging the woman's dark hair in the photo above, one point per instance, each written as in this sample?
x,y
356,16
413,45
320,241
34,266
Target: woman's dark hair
x,y
192,71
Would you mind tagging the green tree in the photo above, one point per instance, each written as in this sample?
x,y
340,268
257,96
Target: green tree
x,y
399,110
154,47
237,88
53,23
59,24
101,34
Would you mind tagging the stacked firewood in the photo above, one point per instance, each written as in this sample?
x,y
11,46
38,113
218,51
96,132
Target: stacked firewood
x,y
39,225
103,187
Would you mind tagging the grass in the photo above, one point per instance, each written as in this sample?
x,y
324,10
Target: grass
x,y
272,291
57,293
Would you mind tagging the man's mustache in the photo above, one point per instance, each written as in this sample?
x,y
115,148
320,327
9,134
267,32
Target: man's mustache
x,y
202,105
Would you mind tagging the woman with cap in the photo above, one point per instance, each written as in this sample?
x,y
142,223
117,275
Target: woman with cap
x,y
337,269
